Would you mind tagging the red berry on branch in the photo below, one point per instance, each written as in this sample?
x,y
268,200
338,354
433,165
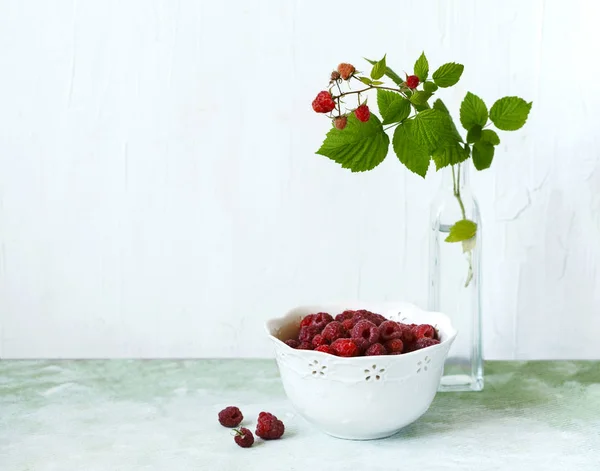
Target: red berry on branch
x,y
412,81
362,113
346,70
335,76
340,122
323,103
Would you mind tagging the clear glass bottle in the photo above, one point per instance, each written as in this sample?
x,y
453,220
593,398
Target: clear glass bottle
x,y
455,278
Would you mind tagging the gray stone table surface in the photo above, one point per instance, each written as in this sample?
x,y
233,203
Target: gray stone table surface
x,y
162,415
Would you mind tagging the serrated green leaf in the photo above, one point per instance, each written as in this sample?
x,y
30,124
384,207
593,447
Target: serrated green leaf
x,y
448,74
462,230
510,113
490,136
420,97
359,146
450,154
439,105
434,128
483,154
366,80
409,150
430,87
422,67
389,72
473,112
392,106
474,134
378,70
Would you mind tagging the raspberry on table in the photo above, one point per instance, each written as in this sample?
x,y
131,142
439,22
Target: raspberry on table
x,y
425,342
269,427
230,417
376,349
243,437
389,330
366,330
362,113
323,103
292,343
346,70
340,122
333,331
319,340
394,346
324,349
412,81
424,330
344,348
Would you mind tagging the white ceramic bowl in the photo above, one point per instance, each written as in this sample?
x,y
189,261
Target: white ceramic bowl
x,y
361,398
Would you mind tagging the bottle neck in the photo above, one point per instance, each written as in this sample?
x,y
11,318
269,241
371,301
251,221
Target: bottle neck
x,y
456,176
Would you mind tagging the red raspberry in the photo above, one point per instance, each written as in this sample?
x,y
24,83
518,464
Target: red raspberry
x,y
269,427
345,315
324,349
424,330
333,331
244,438
308,320
389,330
292,343
376,349
321,319
319,340
344,348
370,316
340,122
307,333
362,113
230,417
394,346
425,342
323,103
305,346
348,324
412,81
366,330
335,76
408,333
346,70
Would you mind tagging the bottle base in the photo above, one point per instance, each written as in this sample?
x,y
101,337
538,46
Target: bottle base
x,y
456,383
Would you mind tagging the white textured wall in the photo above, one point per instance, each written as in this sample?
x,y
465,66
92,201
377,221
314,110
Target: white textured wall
x,y
160,195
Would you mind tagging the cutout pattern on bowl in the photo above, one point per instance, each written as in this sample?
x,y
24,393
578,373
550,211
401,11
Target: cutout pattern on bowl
x,y
316,369
424,364
374,373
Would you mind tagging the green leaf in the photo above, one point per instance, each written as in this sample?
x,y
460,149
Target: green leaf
x,y
474,134
434,128
450,154
392,106
462,230
430,87
422,67
366,80
377,82
420,97
378,70
389,72
448,74
490,136
473,112
510,113
359,146
483,154
409,150
439,105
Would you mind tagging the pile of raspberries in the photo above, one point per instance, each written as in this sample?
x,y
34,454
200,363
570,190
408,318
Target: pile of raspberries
x,y
361,333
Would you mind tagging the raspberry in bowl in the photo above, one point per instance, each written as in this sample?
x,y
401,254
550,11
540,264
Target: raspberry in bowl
x,y
364,377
